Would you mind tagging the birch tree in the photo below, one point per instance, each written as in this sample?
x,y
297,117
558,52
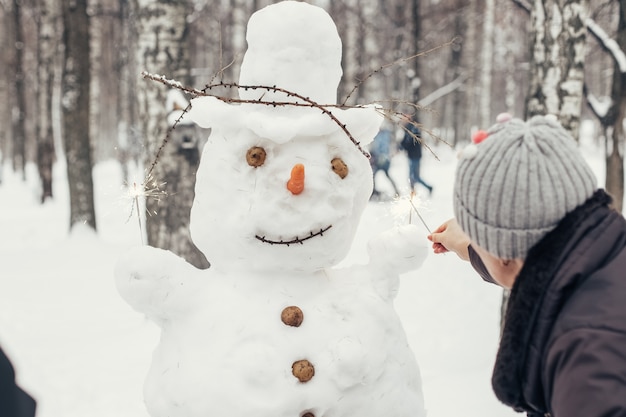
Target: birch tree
x,y
75,112
162,49
612,112
557,60
615,160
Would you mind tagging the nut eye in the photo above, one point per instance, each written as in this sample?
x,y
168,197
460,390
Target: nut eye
x,y
256,156
339,167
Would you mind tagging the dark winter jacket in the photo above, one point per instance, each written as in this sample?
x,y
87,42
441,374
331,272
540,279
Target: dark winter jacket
x,y
13,401
410,142
563,347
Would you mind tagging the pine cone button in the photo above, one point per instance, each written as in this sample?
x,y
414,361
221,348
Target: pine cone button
x,y
292,316
303,370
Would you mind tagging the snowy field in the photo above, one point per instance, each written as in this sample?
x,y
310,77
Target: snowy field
x,y
81,351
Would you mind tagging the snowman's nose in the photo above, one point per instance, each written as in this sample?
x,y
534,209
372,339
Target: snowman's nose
x,y
296,182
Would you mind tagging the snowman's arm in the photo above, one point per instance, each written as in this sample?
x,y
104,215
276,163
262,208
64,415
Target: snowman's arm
x,y
394,252
154,281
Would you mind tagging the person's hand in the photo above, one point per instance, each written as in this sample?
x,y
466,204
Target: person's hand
x,y
449,237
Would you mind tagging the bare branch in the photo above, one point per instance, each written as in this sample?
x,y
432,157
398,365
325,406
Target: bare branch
x,y
442,91
607,44
305,101
399,61
166,140
523,4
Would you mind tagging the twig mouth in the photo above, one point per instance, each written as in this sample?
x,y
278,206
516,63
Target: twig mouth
x,y
296,240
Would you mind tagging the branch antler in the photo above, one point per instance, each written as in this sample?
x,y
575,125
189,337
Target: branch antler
x,y
305,101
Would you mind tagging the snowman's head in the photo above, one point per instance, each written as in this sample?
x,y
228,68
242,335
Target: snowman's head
x,y
244,215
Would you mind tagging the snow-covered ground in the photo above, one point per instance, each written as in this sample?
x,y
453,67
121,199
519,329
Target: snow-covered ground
x,y
80,350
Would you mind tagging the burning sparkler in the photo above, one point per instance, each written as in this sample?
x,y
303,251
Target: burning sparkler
x,y
148,188
418,215
409,203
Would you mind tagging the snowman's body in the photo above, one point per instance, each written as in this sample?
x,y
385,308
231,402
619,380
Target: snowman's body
x,y
226,349
233,355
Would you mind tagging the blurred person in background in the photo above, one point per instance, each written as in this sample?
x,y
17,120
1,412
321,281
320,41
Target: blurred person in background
x,y
380,157
412,144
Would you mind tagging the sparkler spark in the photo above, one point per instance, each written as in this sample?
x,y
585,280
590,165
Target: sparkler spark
x,y
419,215
148,188
411,204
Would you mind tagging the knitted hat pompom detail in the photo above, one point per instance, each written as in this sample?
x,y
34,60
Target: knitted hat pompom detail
x,y
479,136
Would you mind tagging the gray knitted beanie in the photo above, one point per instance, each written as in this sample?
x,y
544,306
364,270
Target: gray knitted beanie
x,y
515,186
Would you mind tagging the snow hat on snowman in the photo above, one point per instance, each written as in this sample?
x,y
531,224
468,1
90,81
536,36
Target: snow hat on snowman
x,y
518,183
294,47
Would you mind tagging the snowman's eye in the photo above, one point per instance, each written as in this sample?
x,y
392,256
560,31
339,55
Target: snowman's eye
x,y
339,167
255,156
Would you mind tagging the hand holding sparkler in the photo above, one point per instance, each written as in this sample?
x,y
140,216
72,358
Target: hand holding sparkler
x,y
449,237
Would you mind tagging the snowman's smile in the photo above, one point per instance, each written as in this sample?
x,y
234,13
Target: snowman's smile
x,y
295,240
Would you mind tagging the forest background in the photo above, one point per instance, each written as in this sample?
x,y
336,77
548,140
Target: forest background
x,y
70,78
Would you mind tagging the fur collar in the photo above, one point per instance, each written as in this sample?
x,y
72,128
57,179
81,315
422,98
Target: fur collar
x,y
513,368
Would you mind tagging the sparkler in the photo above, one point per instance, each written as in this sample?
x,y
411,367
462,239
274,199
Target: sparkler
x,y
419,215
149,188
402,204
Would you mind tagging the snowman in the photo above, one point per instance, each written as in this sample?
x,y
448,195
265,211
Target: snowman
x,y
274,327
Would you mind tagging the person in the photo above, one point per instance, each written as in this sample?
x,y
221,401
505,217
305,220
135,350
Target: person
x,y
411,143
529,217
380,157
14,402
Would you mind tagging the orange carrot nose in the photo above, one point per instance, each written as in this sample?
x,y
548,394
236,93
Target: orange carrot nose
x,y
296,182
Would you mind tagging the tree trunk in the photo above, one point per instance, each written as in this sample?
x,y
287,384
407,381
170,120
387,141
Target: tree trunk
x,y
557,61
19,109
75,112
511,89
487,64
615,165
46,51
417,36
162,49
458,116
615,159
123,92
5,111
470,47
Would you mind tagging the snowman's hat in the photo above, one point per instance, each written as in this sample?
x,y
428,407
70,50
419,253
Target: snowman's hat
x,y
293,46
